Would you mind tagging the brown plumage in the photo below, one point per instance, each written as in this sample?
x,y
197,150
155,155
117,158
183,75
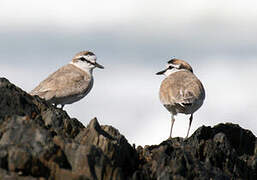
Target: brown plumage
x,y
181,91
66,81
71,82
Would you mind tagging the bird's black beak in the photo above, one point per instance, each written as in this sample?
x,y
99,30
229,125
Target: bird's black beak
x,y
98,65
161,72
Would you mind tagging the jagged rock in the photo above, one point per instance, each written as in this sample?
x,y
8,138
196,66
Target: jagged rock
x,y
39,141
112,143
225,151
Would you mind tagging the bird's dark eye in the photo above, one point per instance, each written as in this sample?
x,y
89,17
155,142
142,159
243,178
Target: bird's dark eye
x,y
170,67
84,59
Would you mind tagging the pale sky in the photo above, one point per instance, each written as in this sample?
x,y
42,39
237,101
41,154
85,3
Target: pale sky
x,y
84,12
134,40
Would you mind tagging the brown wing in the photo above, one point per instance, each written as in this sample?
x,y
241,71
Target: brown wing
x,y
182,88
68,80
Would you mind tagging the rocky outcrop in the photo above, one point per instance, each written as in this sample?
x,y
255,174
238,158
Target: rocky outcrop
x,y
39,141
224,152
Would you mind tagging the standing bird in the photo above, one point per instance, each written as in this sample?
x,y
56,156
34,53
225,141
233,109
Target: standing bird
x,y
181,91
71,82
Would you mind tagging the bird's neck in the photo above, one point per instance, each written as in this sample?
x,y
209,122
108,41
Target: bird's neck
x,y
83,66
169,72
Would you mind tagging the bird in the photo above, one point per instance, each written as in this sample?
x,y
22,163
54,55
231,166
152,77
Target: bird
x,y
71,82
181,91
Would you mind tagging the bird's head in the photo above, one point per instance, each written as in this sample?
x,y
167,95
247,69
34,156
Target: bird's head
x,y
174,65
86,60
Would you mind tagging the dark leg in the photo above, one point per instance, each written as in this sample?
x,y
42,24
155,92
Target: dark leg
x,y
172,122
190,121
62,106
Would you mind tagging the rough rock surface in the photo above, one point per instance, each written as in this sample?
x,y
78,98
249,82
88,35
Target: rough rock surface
x,y
38,141
224,152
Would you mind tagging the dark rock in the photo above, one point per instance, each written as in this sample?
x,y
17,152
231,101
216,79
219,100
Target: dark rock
x,y
112,143
210,153
39,141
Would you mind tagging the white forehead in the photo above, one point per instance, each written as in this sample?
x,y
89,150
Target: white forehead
x,y
91,58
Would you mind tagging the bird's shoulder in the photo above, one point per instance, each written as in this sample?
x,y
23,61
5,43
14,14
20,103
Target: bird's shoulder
x,y
177,80
66,76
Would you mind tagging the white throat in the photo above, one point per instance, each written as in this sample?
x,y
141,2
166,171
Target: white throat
x,y
83,66
171,71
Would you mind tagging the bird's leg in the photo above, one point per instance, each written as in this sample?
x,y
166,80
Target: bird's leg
x,y
62,106
55,105
190,121
172,122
